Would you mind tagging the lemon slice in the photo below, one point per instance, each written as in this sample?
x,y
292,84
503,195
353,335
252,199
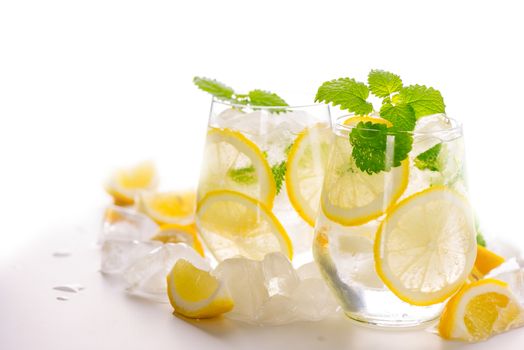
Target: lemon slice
x,y
353,121
305,170
233,162
485,262
425,248
195,293
173,233
125,184
479,310
169,207
233,224
352,197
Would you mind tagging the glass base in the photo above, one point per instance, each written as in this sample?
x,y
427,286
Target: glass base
x,y
390,323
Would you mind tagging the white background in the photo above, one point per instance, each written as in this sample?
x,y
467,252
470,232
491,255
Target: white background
x,y
87,86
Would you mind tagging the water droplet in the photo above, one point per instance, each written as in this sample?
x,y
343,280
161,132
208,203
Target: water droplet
x,y
70,288
61,254
62,298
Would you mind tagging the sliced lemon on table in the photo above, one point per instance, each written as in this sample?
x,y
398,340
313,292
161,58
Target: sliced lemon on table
x,y
195,293
485,262
169,207
126,183
173,233
233,162
479,310
352,197
305,170
425,248
233,224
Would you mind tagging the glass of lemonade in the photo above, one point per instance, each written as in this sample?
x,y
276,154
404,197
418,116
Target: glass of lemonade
x,y
393,245
261,177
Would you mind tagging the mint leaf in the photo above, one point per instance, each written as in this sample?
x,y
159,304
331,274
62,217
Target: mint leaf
x,y
424,100
402,116
279,172
480,239
347,93
428,160
245,176
370,146
382,83
214,87
265,98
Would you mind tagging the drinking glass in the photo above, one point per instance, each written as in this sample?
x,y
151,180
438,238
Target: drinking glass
x,y
261,177
356,205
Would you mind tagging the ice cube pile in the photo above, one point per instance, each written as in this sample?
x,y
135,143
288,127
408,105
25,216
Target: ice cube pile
x,y
267,292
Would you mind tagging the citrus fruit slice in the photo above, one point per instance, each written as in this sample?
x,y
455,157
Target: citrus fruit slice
x,y
233,162
125,184
352,197
305,170
173,233
353,121
485,262
169,207
425,248
195,293
233,224
479,310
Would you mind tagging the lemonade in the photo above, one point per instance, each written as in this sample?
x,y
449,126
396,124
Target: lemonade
x,y
395,235
261,178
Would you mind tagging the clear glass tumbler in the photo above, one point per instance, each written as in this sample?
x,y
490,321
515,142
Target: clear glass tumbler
x,y
261,178
394,244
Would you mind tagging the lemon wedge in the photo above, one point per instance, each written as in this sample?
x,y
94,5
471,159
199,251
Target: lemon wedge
x,y
305,170
169,207
425,248
195,293
232,224
485,262
173,233
480,310
352,197
125,184
353,121
233,162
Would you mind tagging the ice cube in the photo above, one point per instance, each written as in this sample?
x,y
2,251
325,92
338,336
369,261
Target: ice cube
x,y
117,255
313,301
512,272
279,275
146,277
429,131
245,281
127,225
278,310
309,270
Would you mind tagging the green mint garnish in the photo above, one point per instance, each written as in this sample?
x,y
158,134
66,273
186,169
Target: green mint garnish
x,y
245,176
225,93
401,105
429,160
346,93
383,84
279,173
424,100
370,144
480,239
215,88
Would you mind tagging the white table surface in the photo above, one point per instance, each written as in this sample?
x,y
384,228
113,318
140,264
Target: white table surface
x,y
103,316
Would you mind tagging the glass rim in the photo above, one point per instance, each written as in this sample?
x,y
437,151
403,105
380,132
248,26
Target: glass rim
x,y
455,128
239,105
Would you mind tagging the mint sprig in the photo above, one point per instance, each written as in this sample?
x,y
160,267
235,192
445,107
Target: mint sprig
x,y
347,93
253,98
279,174
429,160
401,105
383,84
